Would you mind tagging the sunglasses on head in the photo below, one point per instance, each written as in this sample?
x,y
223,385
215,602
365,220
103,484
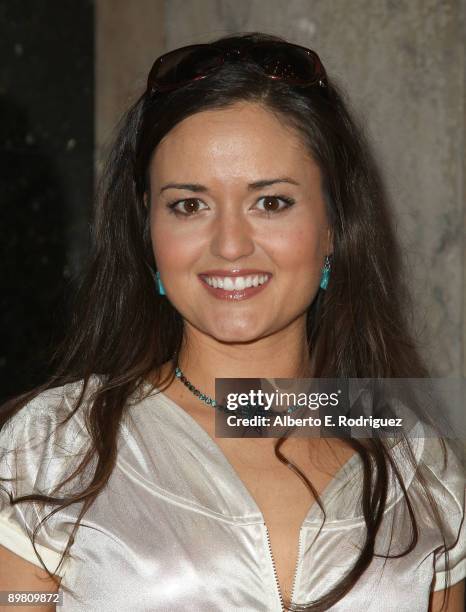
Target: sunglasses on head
x,y
282,61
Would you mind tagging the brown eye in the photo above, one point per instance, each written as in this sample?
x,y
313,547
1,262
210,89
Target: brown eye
x,y
190,205
272,204
186,207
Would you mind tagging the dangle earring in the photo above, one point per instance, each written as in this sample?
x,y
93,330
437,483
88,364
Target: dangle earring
x,y
159,284
325,273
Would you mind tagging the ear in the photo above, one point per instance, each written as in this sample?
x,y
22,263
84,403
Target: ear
x,y
146,199
329,241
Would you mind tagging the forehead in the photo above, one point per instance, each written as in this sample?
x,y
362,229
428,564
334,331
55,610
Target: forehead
x,y
245,139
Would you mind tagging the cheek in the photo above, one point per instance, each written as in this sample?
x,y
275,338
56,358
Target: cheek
x,y
174,248
297,248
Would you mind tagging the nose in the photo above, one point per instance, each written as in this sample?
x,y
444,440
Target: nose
x,y
232,235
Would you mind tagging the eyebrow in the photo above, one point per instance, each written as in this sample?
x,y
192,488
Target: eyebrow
x,y
196,187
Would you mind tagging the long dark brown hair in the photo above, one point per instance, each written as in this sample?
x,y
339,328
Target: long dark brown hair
x,y
123,331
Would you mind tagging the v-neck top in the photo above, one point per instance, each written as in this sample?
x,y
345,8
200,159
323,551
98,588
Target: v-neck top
x,y
175,528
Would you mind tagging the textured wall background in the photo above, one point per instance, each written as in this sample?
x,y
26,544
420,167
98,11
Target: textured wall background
x,y
402,64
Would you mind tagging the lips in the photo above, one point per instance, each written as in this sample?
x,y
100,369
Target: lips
x,y
234,272
235,284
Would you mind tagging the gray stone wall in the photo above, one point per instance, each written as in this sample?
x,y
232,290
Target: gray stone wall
x,y
402,64
128,37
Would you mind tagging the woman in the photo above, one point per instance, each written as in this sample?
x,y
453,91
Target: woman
x,y
240,181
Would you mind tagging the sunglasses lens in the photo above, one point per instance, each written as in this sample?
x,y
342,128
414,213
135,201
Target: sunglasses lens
x,y
184,65
284,61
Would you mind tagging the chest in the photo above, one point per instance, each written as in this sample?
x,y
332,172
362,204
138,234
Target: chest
x,y
149,553
281,496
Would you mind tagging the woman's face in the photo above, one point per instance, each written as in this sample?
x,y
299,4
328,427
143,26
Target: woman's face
x,y
251,205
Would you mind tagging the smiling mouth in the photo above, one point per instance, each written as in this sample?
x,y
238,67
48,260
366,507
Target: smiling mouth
x,y
236,283
235,287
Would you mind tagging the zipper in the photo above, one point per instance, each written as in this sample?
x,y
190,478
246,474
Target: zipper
x,y
298,559
274,569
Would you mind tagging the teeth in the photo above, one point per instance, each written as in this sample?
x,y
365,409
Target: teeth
x,y
230,283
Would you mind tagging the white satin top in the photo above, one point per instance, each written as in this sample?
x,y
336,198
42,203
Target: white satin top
x,y
176,528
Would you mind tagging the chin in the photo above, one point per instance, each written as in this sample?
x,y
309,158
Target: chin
x,y
234,332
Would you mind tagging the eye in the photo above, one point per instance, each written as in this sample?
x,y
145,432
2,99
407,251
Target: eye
x,y
185,208
189,206
272,203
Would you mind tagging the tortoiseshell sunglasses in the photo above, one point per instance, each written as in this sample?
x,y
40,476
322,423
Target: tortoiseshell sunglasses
x,y
284,61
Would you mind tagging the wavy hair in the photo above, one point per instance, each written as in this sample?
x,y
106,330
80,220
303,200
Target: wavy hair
x,y
358,327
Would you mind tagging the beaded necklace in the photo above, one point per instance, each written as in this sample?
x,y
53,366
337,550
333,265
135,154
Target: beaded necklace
x,y
243,411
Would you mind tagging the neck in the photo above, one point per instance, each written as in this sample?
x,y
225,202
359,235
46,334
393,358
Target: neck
x,y
280,355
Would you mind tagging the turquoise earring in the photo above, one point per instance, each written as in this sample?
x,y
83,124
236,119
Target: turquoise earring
x,y
325,273
159,284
